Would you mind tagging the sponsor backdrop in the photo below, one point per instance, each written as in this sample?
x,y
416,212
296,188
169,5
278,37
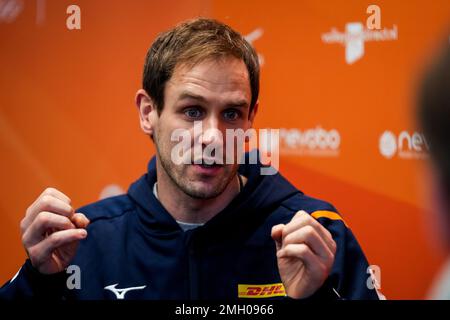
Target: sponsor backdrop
x,y
338,79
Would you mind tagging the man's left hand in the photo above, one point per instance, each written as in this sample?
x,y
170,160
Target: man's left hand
x,y
305,254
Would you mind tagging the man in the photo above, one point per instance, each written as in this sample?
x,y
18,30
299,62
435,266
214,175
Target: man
x,y
434,118
196,230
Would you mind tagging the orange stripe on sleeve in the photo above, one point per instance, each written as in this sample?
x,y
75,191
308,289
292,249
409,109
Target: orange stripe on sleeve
x,y
327,214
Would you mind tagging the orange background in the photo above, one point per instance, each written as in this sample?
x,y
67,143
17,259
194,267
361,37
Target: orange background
x,y
67,117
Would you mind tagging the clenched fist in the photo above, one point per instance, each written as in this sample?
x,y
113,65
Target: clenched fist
x,y
51,231
305,254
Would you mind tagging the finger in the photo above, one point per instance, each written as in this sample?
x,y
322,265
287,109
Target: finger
x,y
50,192
80,220
47,203
277,233
54,193
44,222
57,194
309,259
302,219
310,237
43,250
308,221
53,204
300,214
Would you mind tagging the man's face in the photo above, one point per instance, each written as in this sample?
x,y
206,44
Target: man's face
x,y
217,94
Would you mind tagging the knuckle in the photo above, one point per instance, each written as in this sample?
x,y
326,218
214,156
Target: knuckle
x,y
29,210
288,239
302,212
309,230
334,246
23,226
55,239
330,236
24,240
298,250
67,223
46,200
305,219
331,262
31,253
284,233
288,249
303,249
49,190
273,229
43,218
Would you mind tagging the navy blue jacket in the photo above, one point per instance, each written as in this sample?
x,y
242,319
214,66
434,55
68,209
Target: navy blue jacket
x,y
134,243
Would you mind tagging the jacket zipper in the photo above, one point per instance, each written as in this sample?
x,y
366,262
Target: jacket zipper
x,y
193,271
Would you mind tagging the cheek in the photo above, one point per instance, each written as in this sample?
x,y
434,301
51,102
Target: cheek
x,y
163,140
164,130
236,147
180,146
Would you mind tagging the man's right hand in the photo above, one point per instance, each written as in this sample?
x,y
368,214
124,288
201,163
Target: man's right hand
x,y
51,231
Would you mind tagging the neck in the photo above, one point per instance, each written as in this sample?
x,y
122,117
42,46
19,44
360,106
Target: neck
x,y
185,208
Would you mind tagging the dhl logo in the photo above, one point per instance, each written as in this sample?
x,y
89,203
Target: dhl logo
x,y
261,290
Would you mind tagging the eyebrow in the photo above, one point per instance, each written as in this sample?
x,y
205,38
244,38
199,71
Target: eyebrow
x,y
189,95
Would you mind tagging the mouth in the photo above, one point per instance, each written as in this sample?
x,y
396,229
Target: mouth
x,y
208,162
208,169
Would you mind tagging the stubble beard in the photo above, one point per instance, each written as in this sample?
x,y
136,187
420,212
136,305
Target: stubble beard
x,y
178,174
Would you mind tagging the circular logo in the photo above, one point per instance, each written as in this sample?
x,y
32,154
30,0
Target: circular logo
x,y
387,144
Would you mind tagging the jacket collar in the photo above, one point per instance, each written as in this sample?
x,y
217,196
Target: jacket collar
x,y
260,194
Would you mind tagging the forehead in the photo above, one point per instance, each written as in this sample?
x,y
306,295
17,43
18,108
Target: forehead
x,y
212,77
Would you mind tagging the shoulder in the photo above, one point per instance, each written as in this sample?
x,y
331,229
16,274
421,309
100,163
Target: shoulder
x,y
108,208
309,204
321,210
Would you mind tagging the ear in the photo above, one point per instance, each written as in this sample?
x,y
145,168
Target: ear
x,y
147,112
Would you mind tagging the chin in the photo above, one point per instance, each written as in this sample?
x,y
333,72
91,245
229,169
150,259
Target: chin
x,y
204,195
204,189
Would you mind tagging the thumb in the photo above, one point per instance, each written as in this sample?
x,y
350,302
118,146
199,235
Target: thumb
x,y
277,235
80,220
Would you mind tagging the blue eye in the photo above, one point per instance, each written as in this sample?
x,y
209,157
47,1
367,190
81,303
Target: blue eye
x,y
231,115
193,113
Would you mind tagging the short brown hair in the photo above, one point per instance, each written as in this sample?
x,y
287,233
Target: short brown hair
x,y
192,42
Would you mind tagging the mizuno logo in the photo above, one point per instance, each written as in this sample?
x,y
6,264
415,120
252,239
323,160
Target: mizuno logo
x,y
120,293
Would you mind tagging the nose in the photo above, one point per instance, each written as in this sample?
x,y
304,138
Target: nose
x,y
211,131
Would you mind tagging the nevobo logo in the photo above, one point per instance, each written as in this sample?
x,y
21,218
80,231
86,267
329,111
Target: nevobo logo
x,y
405,145
316,141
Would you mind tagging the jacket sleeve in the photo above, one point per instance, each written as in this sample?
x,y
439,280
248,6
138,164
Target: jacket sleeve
x,y
350,277
29,283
